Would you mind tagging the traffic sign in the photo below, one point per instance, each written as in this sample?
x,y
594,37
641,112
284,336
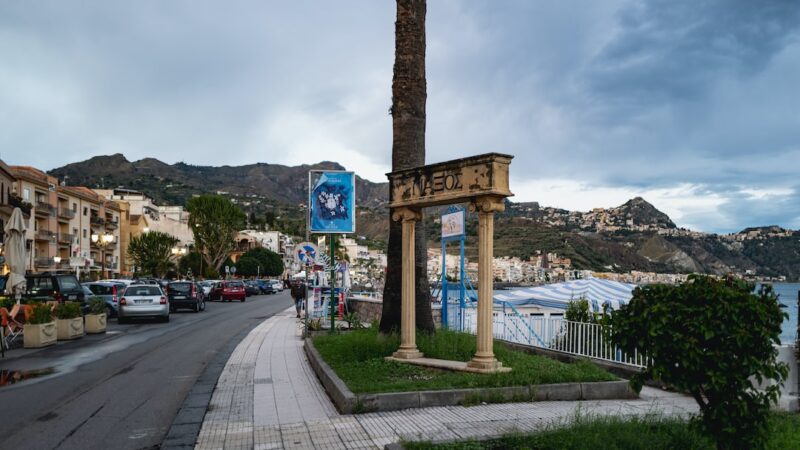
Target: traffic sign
x,y
306,253
233,269
227,269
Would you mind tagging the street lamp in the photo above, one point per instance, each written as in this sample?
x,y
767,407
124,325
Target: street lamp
x,y
102,241
178,252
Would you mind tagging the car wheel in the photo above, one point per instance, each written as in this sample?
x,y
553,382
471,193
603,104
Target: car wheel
x,y
109,312
197,306
122,320
242,300
203,306
165,319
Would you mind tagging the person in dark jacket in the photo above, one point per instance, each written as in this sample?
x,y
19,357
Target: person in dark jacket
x,y
299,295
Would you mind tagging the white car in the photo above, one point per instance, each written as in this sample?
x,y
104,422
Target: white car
x,y
143,300
277,285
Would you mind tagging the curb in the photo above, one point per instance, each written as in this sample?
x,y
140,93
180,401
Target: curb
x,y
186,426
347,402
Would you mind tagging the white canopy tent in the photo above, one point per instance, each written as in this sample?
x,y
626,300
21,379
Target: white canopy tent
x,y
558,295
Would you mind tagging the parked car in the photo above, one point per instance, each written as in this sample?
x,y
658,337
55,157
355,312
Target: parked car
x,y
109,291
277,285
251,288
186,294
206,286
143,300
228,290
265,286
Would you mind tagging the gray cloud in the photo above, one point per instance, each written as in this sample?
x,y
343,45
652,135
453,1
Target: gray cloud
x,y
632,96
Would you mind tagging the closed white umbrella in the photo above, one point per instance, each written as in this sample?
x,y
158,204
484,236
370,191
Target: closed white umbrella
x,y
15,253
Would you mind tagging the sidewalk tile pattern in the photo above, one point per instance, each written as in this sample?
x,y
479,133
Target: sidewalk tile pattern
x,y
268,397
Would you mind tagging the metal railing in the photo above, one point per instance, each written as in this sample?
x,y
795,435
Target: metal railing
x,y
575,338
45,208
66,238
66,213
97,220
44,262
45,235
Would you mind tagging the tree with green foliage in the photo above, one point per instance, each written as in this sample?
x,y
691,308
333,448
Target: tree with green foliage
x,y
191,261
249,266
710,338
214,220
578,311
151,252
268,263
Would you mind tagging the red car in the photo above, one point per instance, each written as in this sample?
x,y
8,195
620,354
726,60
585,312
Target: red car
x,y
228,290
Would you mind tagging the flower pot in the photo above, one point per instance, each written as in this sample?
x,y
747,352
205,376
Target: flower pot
x,y
69,328
39,335
96,323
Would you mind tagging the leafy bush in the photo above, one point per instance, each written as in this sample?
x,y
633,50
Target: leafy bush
x,y
707,337
578,311
68,310
40,313
97,305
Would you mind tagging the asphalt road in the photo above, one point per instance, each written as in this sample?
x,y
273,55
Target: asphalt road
x,y
120,390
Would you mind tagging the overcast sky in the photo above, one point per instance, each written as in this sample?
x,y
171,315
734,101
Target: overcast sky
x,y
693,105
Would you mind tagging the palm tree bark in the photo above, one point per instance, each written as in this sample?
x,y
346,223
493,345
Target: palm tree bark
x,y
409,94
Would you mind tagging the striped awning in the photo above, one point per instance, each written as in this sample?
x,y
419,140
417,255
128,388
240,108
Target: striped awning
x,y
595,290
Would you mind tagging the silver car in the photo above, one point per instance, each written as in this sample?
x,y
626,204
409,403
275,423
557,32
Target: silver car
x,y
143,300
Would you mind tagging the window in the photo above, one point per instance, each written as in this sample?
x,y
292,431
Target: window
x,y
26,194
74,207
68,283
84,233
85,210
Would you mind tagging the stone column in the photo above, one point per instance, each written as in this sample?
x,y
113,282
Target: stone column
x,y
408,320
484,359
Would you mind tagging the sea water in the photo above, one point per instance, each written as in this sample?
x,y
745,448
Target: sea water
x,y
787,295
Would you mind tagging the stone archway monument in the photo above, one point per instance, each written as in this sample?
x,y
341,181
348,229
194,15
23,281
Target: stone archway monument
x,y
482,182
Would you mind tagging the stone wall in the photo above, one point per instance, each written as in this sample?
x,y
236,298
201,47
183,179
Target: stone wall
x,y
369,309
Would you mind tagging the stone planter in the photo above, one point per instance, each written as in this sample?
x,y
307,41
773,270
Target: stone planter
x,y
39,335
69,328
95,323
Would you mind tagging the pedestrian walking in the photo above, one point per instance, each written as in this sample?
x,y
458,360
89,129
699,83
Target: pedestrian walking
x,y
299,295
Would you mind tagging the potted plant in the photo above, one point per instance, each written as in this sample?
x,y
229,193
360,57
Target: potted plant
x,y
40,329
69,321
96,319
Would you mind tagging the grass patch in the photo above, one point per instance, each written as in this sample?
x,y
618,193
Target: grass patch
x,y
357,357
650,433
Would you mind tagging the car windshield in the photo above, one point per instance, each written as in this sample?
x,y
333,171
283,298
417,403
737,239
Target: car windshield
x,y
101,289
139,291
180,287
236,284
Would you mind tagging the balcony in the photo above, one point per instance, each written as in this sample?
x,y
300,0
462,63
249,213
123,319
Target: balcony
x,y
111,225
45,209
45,235
65,214
17,202
66,238
44,262
97,221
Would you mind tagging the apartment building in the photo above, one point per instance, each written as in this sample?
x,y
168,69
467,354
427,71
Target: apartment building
x,y
38,189
7,204
91,225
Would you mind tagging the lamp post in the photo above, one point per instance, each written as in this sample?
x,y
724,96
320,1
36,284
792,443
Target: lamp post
x,y
102,241
178,252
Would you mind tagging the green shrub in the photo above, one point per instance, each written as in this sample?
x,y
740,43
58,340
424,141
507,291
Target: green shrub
x,y
97,305
708,337
68,310
40,313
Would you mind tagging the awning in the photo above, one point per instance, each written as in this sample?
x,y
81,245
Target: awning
x,y
558,295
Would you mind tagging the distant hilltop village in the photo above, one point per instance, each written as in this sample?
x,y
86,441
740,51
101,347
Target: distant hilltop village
x,y
637,215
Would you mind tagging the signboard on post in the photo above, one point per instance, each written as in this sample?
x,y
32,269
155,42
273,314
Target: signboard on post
x,y
332,202
453,224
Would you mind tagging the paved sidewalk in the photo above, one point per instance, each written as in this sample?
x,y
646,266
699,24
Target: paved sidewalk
x,y
268,397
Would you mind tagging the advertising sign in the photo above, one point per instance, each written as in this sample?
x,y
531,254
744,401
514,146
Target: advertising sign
x,y
453,224
333,202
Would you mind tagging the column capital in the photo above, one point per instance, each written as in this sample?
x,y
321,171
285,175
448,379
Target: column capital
x,y
406,214
487,204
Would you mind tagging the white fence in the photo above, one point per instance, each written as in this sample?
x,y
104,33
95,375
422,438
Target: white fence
x,y
575,338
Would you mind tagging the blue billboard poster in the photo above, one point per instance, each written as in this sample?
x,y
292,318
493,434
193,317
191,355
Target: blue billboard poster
x,y
333,202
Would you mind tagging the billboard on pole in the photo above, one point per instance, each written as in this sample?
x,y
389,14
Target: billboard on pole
x,y
332,202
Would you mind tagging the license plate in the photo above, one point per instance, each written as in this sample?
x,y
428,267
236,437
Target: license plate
x,y
179,297
141,301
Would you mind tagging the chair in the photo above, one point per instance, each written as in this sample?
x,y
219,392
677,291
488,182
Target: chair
x,y
14,328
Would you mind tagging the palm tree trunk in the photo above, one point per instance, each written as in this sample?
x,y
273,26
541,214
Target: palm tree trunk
x,y
409,94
